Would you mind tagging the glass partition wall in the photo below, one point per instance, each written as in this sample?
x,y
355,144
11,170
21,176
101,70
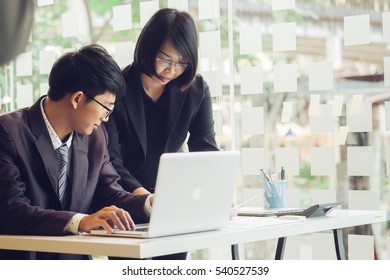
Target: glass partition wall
x,y
302,85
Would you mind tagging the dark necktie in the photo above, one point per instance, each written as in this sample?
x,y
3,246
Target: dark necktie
x,y
62,159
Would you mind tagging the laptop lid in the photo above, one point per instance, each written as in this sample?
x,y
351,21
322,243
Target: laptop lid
x,y
194,192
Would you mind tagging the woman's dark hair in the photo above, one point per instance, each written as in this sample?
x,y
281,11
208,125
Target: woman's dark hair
x,y
176,27
90,70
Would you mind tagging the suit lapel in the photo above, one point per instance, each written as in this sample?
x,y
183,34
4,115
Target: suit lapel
x,y
176,101
79,172
135,109
43,142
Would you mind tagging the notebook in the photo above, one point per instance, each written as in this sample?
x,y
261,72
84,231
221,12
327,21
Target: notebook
x,y
194,192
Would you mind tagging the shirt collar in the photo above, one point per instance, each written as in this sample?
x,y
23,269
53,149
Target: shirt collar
x,y
55,140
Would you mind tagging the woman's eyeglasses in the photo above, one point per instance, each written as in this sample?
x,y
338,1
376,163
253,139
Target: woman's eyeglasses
x,y
168,64
105,107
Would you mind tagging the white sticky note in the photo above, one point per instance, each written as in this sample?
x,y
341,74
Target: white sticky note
x,y
323,121
252,120
147,10
251,41
124,53
210,44
314,105
253,159
356,30
356,104
46,61
122,17
356,165
24,96
362,200
360,247
251,80
386,71
386,27
208,9
213,79
283,4
181,5
323,246
287,112
320,75
24,64
289,159
342,134
285,78
41,3
284,37
43,89
322,196
70,25
361,122
322,161
337,107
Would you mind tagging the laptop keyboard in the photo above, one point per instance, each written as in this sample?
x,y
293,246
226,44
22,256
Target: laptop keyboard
x,y
142,229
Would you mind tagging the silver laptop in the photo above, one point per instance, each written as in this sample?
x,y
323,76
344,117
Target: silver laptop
x,y
194,192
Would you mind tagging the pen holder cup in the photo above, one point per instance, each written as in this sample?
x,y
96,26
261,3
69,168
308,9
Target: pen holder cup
x,y
274,194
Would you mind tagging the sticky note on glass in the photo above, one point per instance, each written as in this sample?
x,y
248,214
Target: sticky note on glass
x,y
24,64
251,80
147,9
252,161
356,105
41,3
181,5
356,165
46,61
361,122
341,136
323,245
43,89
323,121
314,105
252,120
122,17
322,161
251,41
320,75
70,25
285,78
124,53
337,106
356,30
284,37
210,44
287,112
213,80
24,96
208,9
362,200
386,27
288,158
283,4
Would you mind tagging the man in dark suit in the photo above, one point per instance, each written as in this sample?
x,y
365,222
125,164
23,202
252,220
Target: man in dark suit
x,y
36,197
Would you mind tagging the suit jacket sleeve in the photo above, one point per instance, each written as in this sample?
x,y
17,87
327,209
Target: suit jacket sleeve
x,y
202,134
127,181
17,215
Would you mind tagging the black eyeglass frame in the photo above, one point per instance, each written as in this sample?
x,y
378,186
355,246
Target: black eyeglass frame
x,y
182,66
105,107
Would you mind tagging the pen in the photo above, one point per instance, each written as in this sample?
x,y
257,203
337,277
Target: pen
x,y
267,180
282,174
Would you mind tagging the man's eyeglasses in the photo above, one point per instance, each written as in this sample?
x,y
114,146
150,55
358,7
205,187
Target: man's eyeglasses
x,y
168,64
105,107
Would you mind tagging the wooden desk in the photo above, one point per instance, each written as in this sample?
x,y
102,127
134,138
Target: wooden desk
x,y
231,235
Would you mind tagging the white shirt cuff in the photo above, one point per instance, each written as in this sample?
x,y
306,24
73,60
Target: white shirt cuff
x,y
73,225
148,206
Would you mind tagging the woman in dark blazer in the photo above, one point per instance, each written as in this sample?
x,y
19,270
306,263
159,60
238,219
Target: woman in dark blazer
x,y
165,101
